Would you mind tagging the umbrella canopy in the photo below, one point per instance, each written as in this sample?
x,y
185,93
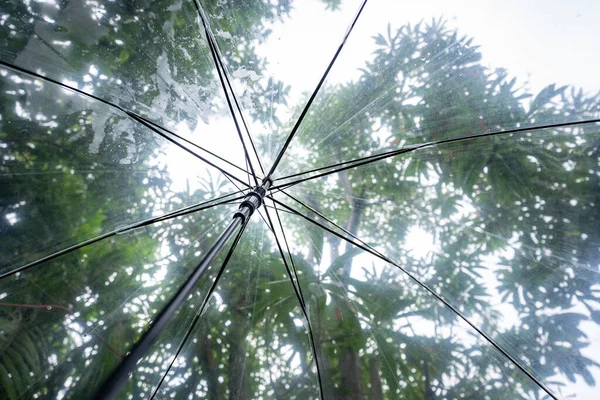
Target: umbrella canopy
x,y
334,199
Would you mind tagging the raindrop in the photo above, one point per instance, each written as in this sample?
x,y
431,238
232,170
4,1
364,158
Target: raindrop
x,y
49,308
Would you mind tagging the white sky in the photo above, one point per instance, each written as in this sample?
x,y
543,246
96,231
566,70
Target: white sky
x,y
554,43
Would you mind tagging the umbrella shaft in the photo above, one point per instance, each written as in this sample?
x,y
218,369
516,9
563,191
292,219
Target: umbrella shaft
x,y
113,385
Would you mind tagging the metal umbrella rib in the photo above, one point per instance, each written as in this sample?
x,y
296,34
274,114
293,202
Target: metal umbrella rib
x,y
226,199
136,117
345,165
415,279
298,291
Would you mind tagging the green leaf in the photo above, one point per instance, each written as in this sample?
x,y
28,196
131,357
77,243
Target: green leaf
x,y
380,40
545,96
11,369
123,56
595,315
7,383
341,260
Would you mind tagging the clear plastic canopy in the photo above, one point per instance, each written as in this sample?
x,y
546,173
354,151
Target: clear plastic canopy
x,y
430,229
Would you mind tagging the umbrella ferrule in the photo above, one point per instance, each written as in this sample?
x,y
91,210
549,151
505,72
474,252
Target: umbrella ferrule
x,y
252,201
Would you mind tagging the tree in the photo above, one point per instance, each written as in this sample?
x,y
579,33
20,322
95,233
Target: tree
x,y
74,168
495,214
507,224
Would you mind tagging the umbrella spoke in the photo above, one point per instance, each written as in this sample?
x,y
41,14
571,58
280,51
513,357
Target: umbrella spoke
x,y
219,59
350,164
222,78
329,221
174,214
314,94
237,125
297,290
285,211
378,157
423,285
136,117
292,272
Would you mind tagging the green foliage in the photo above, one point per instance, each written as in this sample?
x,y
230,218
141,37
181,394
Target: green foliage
x,y
497,214
501,231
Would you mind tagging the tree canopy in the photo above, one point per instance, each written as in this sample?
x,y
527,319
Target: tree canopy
x,y
414,251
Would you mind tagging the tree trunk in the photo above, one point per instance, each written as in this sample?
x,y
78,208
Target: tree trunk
x,y
429,395
350,368
312,201
351,388
376,390
207,362
324,364
357,205
238,381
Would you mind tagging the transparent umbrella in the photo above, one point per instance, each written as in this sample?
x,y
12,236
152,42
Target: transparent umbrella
x,y
333,199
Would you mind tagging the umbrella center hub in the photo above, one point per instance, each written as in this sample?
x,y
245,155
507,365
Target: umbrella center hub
x,y
253,201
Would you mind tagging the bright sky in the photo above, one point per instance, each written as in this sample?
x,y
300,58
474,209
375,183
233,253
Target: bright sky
x,y
554,43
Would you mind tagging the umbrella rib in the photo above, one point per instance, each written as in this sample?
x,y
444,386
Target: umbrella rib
x,y
377,157
237,125
285,211
241,114
191,143
331,222
143,121
219,66
219,58
178,213
439,297
129,113
202,308
373,157
299,295
293,269
317,89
